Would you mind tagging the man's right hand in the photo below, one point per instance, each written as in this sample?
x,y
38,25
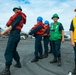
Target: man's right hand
x,y
73,44
2,33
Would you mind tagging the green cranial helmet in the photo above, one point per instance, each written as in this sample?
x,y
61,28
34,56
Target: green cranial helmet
x,y
55,16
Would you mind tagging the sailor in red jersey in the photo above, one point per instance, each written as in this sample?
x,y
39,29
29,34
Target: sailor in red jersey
x,y
37,31
14,25
46,38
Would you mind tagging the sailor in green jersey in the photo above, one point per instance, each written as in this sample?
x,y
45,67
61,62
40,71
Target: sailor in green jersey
x,y
56,37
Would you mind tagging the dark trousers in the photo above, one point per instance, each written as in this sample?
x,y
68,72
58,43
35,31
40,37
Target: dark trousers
x,y
38,45
75,51
11,52
56,48
50,46
46,42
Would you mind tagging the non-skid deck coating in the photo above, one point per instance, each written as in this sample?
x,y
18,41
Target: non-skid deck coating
x,y
43,67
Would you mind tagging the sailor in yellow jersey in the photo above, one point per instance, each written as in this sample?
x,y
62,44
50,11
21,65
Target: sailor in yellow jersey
x,y
73,37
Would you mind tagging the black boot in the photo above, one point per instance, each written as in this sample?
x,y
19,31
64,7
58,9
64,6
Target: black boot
x,y
59,61
18,65
74,71
45,55
54,60
6,71
35,59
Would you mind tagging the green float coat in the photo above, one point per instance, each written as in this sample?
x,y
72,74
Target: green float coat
x,y
55,34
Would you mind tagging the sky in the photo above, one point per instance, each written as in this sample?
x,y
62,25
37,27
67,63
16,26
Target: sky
x,y
35,8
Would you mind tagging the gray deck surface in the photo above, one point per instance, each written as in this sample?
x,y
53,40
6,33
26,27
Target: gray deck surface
x,y
43,67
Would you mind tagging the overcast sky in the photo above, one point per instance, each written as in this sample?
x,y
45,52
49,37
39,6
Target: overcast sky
x,y
35,8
